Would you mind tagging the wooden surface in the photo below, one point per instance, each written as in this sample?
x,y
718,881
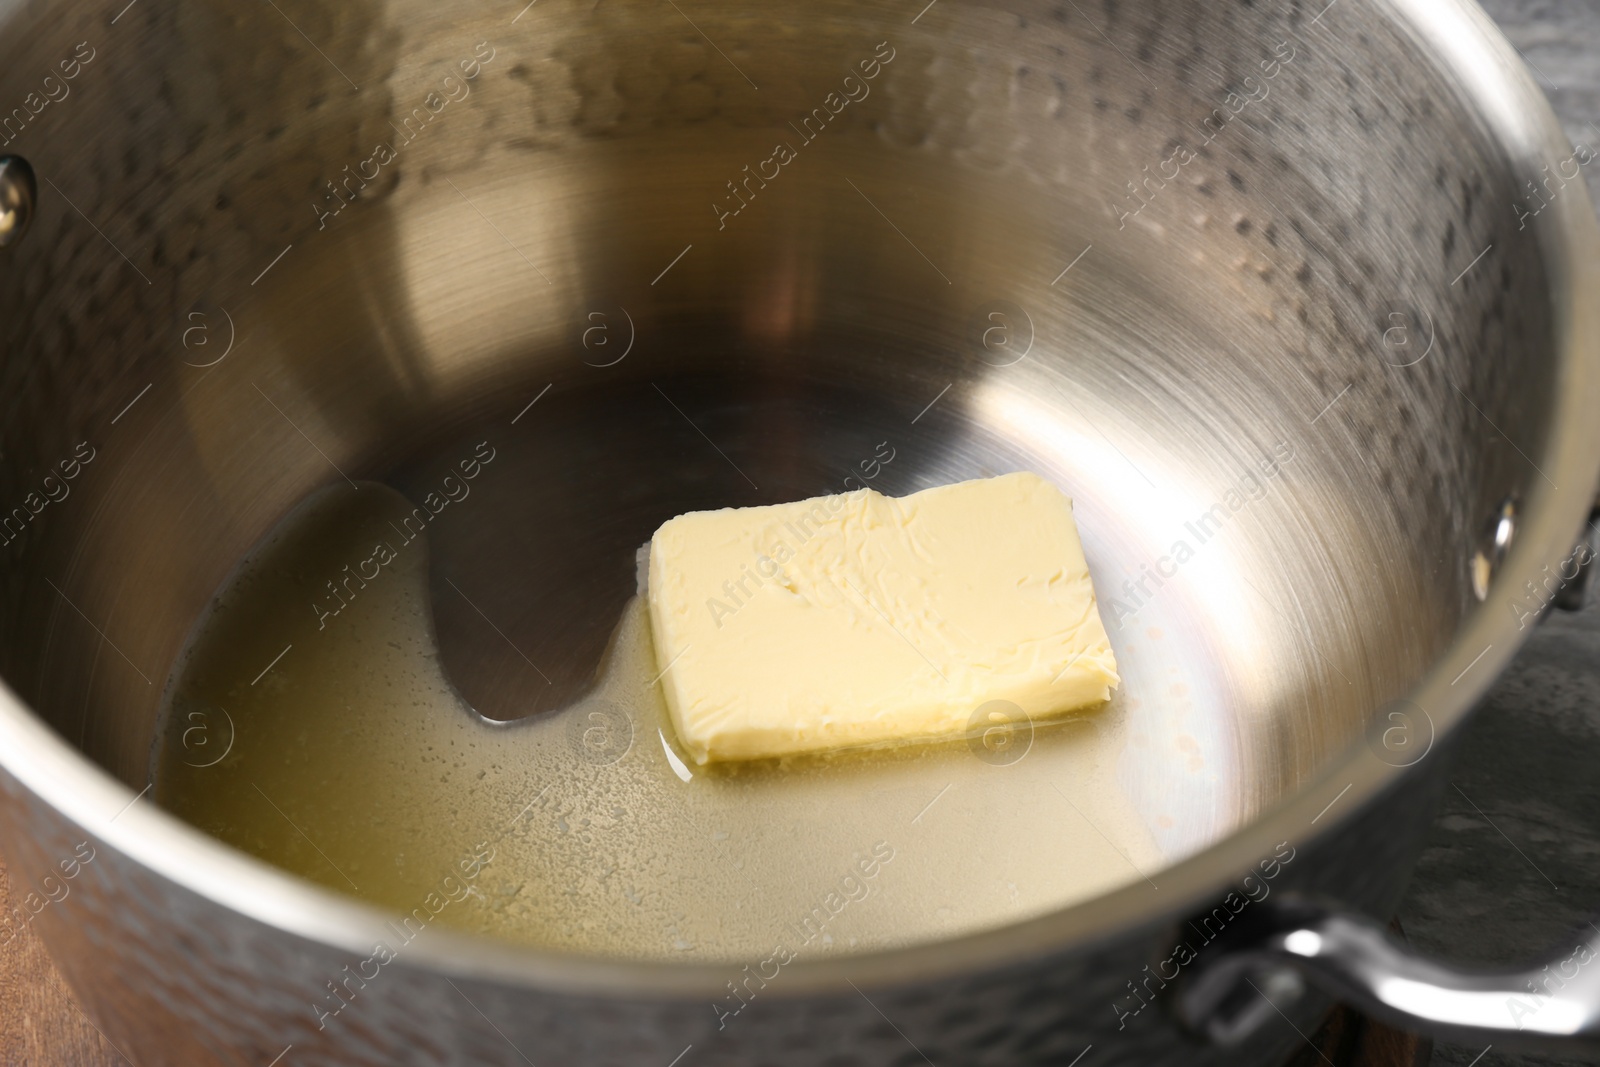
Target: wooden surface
x,y
1350,1040
40,1023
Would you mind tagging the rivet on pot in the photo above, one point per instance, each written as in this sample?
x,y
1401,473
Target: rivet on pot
x,y
1497,542
19,192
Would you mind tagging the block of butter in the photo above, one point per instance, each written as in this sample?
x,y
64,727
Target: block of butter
x,y
860,619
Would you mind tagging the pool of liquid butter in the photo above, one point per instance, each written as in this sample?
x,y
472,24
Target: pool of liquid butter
x,y
352,762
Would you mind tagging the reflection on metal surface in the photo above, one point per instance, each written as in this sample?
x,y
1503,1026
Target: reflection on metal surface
x,y
1352,957
1487,560
597,339
207,737
19,192
197,337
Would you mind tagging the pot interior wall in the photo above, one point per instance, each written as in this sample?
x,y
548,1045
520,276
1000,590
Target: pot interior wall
x,y
1195,261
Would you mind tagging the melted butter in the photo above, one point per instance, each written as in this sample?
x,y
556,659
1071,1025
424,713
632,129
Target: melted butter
x,y
351,761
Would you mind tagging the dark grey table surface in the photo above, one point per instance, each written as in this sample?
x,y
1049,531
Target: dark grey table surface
x,y
1511,869
1512,865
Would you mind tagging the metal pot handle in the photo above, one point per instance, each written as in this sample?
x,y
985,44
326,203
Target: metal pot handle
x,y
1554,1004
1354,959
1573,594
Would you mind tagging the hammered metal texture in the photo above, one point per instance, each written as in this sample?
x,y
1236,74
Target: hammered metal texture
x,y
174,979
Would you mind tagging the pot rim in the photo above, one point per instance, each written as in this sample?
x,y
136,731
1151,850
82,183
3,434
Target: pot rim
x,y
1492,83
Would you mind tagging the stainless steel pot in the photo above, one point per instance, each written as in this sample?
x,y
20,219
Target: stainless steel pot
x,y
1137,248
